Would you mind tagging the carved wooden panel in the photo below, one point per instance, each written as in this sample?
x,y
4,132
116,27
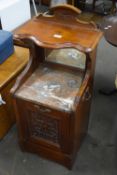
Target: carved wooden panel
x,y
44,127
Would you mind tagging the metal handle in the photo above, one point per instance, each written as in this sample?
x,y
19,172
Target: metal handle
x,y
87,95
44,110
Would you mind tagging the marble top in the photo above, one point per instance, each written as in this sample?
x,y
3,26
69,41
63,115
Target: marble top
x,y
51,87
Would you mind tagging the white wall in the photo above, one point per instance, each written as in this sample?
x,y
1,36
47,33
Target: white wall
x,y
13,13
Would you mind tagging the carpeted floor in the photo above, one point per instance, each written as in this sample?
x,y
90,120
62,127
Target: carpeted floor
x,y
98,153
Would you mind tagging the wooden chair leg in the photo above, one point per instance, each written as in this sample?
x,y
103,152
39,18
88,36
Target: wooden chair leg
x,y
114,9
82,4
93,5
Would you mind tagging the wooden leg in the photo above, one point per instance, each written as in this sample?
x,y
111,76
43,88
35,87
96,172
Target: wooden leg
x,y
81,3
93,5
114,9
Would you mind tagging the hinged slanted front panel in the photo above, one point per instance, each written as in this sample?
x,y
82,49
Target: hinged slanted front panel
x,y
44,126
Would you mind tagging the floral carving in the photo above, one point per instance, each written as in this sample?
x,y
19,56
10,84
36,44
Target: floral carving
x,y
44,127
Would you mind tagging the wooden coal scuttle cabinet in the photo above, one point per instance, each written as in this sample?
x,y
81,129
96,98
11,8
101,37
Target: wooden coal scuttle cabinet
x,y
52,96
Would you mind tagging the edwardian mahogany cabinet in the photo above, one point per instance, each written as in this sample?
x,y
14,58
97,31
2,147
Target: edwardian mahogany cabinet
x,y
52,96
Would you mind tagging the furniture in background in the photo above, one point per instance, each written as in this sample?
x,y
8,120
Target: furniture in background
x,y
48,2
57,2
44,2
113,7
102,5
14,13
35,8
80,4
52,96
9,70
109,28
6,45
34,5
